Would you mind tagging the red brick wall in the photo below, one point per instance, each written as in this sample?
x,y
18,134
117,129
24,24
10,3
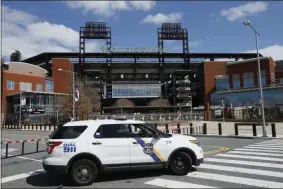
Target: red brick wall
x,y
62,80
212,69
17,78
241,68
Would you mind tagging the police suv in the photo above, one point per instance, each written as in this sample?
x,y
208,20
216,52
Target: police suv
x,y
82,150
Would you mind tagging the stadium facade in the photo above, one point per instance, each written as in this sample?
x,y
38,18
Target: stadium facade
x,y
143,75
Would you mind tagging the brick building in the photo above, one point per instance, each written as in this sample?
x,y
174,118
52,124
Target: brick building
x,y
38,92
238,83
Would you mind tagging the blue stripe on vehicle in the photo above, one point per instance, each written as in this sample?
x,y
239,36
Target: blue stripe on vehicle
x,y
153,155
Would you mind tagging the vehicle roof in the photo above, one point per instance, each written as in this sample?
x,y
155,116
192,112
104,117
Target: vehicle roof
x,y
101,121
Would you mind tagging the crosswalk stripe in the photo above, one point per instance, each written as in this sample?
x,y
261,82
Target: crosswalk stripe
x,y
267,148
266,145
251,163
259,150
3,150
20,176
271,142
174,184
256,153
236,180
242,170
250,157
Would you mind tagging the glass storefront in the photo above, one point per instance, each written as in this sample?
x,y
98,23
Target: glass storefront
x,y
271,97
222,83
136,90
248,79
236,81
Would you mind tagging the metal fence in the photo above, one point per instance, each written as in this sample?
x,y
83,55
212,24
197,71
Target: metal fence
x,y
179,117
246,114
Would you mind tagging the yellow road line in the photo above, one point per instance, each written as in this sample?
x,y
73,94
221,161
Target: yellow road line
x,y
219,149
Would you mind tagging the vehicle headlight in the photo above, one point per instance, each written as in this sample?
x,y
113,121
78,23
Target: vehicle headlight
x,y
195,142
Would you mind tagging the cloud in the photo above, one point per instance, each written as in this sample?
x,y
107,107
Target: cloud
x,y
161,18
248,9
31,35
275,51
109,8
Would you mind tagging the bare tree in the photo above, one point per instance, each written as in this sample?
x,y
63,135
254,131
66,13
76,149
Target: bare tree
x,y
89,101
16,56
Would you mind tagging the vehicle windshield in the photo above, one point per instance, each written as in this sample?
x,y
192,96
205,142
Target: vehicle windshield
x,y
154,129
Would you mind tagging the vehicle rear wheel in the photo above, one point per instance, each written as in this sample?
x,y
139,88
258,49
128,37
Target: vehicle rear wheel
x,y
180,163
84,172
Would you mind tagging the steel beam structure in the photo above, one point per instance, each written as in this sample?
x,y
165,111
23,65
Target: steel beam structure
x,y
172,31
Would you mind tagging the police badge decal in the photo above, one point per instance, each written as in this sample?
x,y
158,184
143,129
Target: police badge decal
x,y
148,148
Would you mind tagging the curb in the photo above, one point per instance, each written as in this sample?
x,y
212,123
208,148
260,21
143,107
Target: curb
x,y
233,136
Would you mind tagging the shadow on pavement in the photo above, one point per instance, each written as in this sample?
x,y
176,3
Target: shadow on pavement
x,y
41,179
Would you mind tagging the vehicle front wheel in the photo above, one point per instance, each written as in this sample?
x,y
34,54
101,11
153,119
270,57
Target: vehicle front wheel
x,y
84,172
180,163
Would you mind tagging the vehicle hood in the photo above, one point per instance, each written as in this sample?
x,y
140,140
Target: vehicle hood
x,y
183,137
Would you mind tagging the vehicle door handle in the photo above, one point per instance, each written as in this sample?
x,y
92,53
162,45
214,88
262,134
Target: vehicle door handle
x,y
96,143
135,143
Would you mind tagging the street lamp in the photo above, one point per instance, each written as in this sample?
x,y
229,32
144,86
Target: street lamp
x,y
248,23
73,73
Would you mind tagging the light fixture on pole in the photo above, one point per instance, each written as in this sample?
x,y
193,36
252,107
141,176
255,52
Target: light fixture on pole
x,y
73,86
248,23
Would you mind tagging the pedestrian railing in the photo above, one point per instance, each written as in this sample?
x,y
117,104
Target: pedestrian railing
x,y
29,127
21,145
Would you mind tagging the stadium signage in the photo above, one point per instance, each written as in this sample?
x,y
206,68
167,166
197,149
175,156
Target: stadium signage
x,y
133,50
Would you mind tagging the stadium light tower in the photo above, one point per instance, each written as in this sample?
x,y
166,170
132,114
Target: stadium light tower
x,y
248,23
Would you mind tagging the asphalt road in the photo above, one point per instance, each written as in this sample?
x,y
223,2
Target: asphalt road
x,y
248,163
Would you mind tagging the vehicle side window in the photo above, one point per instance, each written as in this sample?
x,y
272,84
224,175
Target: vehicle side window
x,y
114,131
98,133
140,131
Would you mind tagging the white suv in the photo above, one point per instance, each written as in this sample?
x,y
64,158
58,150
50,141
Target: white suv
x,y
84,149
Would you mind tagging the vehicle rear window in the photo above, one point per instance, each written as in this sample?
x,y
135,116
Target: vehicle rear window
x,y
68,132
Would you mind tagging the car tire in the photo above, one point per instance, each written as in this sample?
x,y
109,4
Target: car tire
x,y
84,172
180,163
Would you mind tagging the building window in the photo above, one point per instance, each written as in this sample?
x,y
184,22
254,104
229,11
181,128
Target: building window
x,y
222,83
135,90
236,81
24,86
248,79
39,87
49,86
263,78
10,85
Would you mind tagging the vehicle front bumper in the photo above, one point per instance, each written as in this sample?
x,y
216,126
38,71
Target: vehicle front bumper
x,y
56,169
199,161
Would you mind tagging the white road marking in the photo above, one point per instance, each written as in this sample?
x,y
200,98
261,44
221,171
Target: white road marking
x,y
236,180
174,184
3,150
256,153
28,158
242,170
21,176
251,163
250,157
258,150
265,147
271,142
